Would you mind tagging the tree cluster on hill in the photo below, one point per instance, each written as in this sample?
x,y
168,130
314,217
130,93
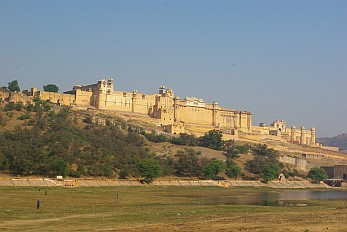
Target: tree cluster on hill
x,y
212,139
317,174
51,88
13,86
265,163
54,145
51,142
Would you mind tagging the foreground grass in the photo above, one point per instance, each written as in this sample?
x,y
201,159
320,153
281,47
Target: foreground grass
x,y
158,209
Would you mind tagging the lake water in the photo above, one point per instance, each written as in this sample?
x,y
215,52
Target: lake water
x,y
282,198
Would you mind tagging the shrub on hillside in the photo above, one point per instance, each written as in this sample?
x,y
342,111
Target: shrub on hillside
x,y
317,175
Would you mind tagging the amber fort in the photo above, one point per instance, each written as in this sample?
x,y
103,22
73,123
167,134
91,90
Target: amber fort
x,y
176,115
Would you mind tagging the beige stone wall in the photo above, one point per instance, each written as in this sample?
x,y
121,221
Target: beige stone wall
x,y
58,98
261,130
20,97
191,114
212,115
176,128
228,119
143,103
298,163
330,148
122,101
83,98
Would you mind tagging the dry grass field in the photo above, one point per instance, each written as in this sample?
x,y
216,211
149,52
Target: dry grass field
x,y
159,209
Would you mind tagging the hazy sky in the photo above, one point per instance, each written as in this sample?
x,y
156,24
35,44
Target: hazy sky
x,y
277,59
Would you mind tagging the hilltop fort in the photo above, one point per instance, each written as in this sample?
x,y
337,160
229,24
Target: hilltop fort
x,y
175,115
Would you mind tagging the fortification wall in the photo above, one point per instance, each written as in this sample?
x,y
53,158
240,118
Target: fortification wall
x,y
246,121
57,98
143,103
330,148
84,98
299,164
123,101
20,97
104,101
191,114
261,130
227,119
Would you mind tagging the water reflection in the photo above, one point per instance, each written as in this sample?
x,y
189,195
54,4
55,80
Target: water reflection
x,y
285,198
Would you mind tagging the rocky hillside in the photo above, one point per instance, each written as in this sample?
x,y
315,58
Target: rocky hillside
x,y
338,141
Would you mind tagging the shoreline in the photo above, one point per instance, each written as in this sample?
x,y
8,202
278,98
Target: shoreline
x,y
74,183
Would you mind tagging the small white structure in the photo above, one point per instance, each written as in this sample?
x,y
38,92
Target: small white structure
x,y
281,177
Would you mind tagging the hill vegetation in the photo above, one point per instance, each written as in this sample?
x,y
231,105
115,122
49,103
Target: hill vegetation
x,y
48,140
337,141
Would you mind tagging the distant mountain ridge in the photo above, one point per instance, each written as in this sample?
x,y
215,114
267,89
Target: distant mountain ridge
x,y
337,141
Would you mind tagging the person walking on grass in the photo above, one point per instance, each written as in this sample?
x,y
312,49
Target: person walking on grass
x,y
38,204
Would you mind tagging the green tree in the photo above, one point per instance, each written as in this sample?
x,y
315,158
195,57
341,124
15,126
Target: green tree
x,y
212,139
149,169
317,174
232,150
233,171
4,162
9,107
167,165
185,139
264,151
29,107
13,86
61,168
262,156
155,137
188,163
214,168
51,88
270,171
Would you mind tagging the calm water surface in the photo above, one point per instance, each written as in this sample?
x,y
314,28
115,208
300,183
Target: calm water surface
x,y
285,198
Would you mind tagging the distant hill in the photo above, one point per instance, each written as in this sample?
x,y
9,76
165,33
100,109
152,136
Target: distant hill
x,y
337,141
